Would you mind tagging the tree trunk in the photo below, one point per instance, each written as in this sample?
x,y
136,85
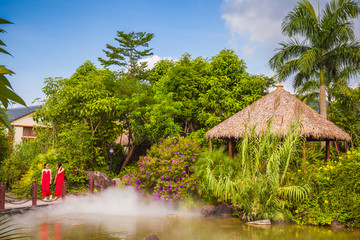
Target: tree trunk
x,y
128,156
322,97
322,94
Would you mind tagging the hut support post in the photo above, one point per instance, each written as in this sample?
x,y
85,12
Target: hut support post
x,y
210,145
327,150
231,143
304,154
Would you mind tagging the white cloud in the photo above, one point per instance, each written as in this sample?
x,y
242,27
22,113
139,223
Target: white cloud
x,y
151,61
248,49
256,20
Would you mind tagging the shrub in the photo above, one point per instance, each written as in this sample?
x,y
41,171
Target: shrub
x,y
335,195
166,172
74,174
19,161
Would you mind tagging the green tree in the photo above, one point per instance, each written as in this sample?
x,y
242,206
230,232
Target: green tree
x,y
228,88
183,79
329,41
208,91
345,111
147,115
84,106
6,92
128,53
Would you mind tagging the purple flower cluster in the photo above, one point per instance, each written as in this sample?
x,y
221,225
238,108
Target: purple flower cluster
x,y
165,172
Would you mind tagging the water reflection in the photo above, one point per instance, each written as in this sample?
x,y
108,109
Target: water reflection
x,y
44,231
119,214
194,228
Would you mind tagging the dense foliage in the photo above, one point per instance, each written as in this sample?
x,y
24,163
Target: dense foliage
x,y
258,179
345,112
166,171
335,193
208,92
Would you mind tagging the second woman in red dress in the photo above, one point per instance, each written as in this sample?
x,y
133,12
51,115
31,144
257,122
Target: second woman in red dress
x,y
59,180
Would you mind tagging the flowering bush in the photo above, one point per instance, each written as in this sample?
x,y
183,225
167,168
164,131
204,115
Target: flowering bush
x,y
336,193
166,172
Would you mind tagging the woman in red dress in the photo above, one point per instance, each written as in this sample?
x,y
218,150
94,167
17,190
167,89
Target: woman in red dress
x,y
45,181
59,180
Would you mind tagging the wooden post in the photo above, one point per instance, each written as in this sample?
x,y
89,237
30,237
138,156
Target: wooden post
x,y
210,145
337,149
231,148
2,196
304,152
327,150
34,193
63,195
91,187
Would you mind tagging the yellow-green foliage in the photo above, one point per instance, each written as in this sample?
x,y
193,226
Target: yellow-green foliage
x,y
335,195
74,174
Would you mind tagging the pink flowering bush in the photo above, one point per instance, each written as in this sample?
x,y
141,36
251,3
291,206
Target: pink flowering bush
x,y
166,172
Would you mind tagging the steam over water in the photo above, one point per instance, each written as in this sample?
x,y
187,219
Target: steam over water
x,y
123,214
112,202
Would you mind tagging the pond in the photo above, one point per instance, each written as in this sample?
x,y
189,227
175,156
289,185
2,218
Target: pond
x,y
117,214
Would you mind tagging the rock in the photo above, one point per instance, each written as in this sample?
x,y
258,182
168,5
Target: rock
x,y
151,237
337,224
101,180
207,211
117,181
224,209
260,222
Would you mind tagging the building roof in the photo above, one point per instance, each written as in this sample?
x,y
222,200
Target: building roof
x,y
16,113
283,109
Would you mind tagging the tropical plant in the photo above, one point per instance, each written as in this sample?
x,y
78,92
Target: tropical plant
x,y
9,230
6,92
329,43
258,179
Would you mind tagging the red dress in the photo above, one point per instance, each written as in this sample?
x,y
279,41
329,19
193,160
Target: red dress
x,y
59,183
45,183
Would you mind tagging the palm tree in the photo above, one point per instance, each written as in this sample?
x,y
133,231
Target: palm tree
x,y
6,93
307,88
329,42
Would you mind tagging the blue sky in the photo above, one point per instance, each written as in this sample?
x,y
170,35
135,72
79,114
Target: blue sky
x,y
51,38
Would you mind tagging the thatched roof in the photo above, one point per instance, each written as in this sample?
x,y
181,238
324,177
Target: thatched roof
x,y
284,109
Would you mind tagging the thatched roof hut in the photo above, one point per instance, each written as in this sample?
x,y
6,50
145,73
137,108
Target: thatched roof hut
x,y
284,109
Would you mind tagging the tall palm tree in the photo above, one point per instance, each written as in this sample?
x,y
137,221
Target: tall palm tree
x,y
329,42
